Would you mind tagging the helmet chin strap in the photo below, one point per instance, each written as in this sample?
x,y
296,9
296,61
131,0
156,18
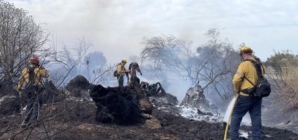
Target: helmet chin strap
x,y
242,57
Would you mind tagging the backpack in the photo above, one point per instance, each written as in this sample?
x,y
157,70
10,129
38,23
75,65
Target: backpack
x,y
115,72
31,86
262,88
31,74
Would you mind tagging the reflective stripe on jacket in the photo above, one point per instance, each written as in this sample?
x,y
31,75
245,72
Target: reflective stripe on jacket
x,y
247,69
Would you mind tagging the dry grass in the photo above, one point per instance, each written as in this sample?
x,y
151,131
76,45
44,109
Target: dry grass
x,y
285,82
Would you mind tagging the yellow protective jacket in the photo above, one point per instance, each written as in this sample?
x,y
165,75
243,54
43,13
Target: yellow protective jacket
x,y
247,69
39,73
121,69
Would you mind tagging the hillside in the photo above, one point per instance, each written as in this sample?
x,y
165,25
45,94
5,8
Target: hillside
x,y
69,117
82,126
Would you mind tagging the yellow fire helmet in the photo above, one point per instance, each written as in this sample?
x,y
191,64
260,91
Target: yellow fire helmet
x,y
124,61
245,49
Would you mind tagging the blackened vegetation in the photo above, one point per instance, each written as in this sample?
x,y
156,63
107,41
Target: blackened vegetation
x,y
117,105
78,85
6,90
153,89
12,102
51,94
9,105
9,100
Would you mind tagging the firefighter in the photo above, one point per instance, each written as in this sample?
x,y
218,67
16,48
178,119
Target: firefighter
x,y
31,80
246,103
120,73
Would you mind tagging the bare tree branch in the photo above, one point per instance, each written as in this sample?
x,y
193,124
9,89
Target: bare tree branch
x,y
211,64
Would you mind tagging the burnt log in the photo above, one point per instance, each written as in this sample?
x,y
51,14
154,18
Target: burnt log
x,y
120,105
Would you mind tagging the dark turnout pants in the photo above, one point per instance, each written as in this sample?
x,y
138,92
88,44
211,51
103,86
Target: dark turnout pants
x,y
253,106
120,80
34,103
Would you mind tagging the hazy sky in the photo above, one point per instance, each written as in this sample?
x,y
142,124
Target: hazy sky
x,y
116,27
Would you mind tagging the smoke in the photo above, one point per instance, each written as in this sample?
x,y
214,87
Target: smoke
x,y
178,88
117,30
91,66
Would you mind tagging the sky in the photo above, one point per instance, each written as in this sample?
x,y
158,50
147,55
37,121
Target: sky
x,y
117,27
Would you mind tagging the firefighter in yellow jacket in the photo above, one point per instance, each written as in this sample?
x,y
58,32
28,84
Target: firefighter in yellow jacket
x,y
245,102
31,80
121,71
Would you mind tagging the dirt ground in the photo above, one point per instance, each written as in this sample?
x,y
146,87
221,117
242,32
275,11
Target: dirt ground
x,y
84,127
